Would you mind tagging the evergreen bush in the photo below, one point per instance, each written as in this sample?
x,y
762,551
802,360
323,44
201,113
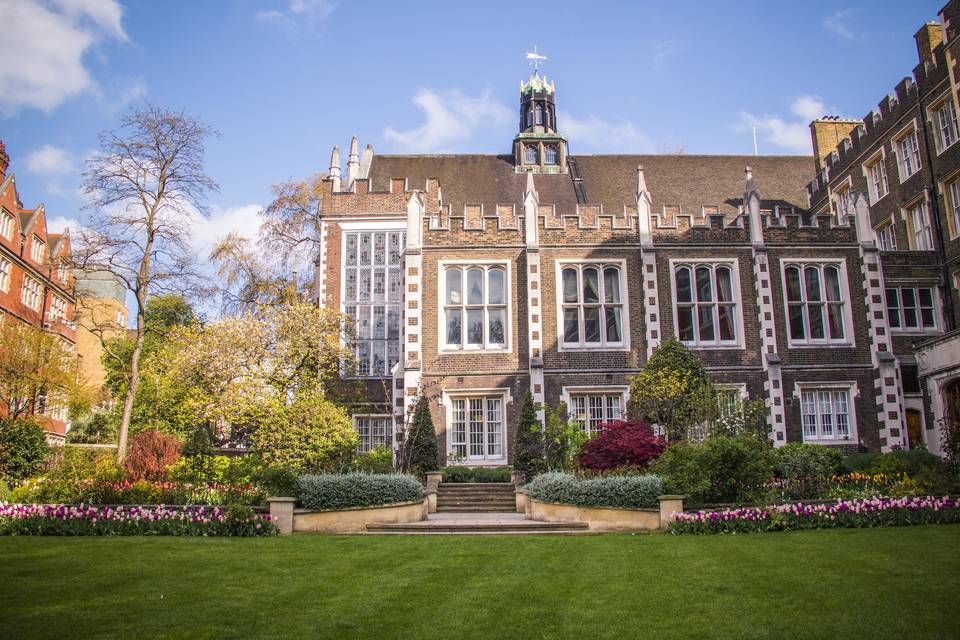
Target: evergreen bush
x,y
528,449
420,452
629,492
23,449
351,490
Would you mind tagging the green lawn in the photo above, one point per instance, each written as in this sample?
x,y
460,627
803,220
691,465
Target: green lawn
x,y
879,583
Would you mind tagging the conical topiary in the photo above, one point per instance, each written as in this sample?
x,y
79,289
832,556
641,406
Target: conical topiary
x,y
422,453
528,448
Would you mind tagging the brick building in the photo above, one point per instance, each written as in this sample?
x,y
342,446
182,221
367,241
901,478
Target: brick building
x,y
815,284
36,284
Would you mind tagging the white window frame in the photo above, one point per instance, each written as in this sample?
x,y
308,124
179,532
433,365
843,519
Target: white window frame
x,y
923,236
38,249
877,182
387,227
568,396
909,131
58,308
603,345
848,326
449,398
6,224
899,309
726,388
6,274
943,118
817,388
738,327
843,199
887,236
370,444
464,265
951,191
32,296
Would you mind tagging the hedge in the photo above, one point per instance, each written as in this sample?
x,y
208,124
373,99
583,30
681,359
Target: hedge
x,y
458,475
631,492
349,490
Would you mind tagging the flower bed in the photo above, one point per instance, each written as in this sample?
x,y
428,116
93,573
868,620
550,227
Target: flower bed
x,y
92,491
843,514
86,520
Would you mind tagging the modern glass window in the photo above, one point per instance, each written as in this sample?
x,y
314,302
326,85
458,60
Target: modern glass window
x,y
476,430
825,414
6,271
6,224
592,305
877,180
945,120
30,294
373,432
887,237
909,308
921,233
591,410
373,292
908,155
551,155
706,304
38,250
954,190
530,155
815,303
475,307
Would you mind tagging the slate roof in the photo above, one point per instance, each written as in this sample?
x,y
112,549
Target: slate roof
x,y
690,181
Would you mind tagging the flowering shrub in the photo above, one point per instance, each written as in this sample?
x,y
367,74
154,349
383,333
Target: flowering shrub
x,y
843,514
100,491
150,453
631,492
620,444
86,520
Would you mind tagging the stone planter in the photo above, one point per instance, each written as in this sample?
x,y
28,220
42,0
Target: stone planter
x,y
606,518
290,520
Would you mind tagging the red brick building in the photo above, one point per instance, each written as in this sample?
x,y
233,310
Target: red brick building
x,y
36,282
477,278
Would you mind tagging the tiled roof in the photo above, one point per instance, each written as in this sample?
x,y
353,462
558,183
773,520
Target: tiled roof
x,y
688,181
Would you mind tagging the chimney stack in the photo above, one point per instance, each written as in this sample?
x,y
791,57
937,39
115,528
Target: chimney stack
x,y
353,164
335,168
827,133
4,160
928,37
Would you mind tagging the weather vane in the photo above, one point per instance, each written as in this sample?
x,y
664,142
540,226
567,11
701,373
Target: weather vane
x,y
536,58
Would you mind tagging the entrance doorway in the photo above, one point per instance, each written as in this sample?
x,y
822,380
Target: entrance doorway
x,y
914,428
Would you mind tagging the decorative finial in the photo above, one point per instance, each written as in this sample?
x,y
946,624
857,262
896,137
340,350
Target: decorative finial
x,y
535,59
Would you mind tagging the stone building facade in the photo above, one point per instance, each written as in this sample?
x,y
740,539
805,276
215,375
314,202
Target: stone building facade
x,y
809,283
36,281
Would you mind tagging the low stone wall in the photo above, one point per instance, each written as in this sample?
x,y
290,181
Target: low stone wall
x,y
605,518
290,520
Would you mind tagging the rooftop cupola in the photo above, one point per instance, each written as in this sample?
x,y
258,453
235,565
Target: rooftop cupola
x,y
538,147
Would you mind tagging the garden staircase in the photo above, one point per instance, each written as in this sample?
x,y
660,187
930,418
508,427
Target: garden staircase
x,y
476,497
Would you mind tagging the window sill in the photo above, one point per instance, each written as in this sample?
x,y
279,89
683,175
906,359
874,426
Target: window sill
x,y
946,148
580,348
830,440
714,347
818,345
454,350
915,332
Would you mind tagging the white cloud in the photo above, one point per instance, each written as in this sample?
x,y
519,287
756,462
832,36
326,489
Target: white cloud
x,y
838,23
664,50
205,232
310,12
60,223
451,118
593,132
791,133
50,38
49,159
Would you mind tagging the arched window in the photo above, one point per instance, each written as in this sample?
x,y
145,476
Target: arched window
x,y
530,155
549,120
539,112
550,155
530,117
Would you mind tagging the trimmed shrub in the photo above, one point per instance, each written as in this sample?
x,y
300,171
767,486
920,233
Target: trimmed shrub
x,y
349,490
629,492
860,462
621,444
150,453
806,469
23,448
720,469
420,452
528,449
458,475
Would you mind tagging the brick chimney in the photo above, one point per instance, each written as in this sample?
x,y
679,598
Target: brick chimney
x,y
827,133
4,160
928,37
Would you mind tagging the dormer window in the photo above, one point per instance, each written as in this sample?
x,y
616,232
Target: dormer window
x,y
550,154
38,252
539,114
530,155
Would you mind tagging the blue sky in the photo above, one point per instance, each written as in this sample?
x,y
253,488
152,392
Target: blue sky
x,y
285,80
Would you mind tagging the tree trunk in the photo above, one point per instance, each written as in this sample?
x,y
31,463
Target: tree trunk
x,y
131,393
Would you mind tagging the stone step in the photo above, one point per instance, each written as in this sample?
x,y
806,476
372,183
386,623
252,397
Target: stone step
x,y
526,526
466,486
479,508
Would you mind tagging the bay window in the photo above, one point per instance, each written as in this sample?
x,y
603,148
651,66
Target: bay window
x,y
592,298
475,307
815,303
706,304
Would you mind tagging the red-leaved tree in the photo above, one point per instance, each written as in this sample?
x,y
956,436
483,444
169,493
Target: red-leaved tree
x,y
151,452
621,444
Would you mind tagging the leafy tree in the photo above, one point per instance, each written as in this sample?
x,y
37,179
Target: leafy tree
x,y
673,391
250,283
562,440
621,444
310,434
23,448
528,449
419,452
146,184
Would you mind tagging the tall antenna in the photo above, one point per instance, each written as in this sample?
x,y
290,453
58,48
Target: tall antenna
x,y
756,150
536,58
